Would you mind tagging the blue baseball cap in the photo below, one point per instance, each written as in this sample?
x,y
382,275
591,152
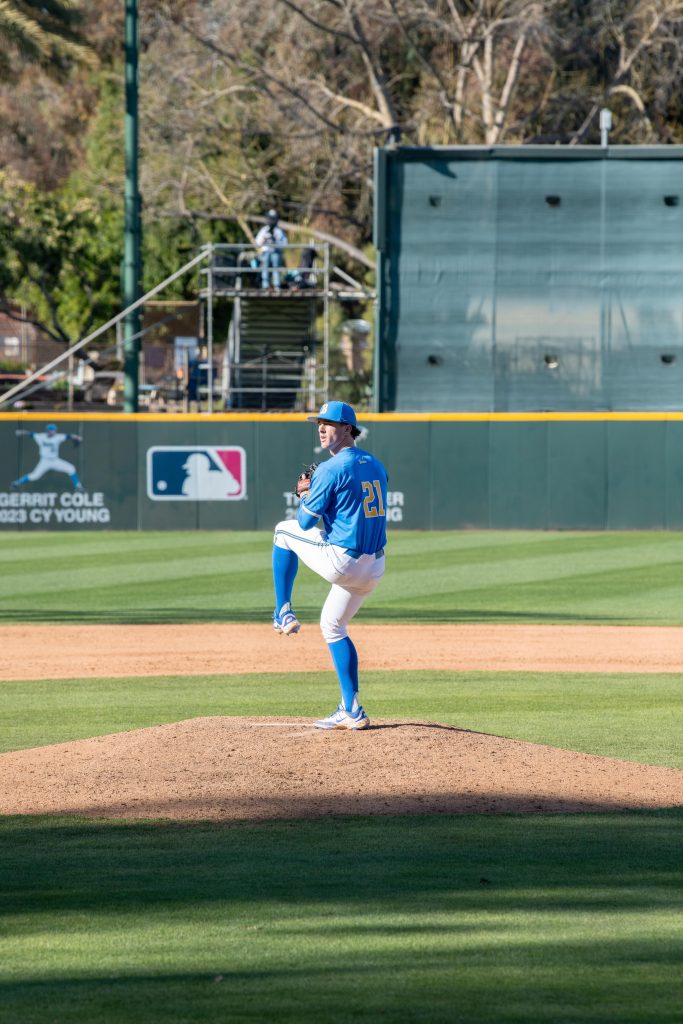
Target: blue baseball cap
x,y
336,412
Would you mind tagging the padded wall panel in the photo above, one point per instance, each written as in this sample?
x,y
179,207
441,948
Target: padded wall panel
x,y
531,279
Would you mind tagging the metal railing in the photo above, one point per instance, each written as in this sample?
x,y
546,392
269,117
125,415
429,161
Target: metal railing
x,y
202,255
237,267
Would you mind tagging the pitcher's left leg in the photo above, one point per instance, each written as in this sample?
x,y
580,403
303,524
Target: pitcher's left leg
x,y
339,608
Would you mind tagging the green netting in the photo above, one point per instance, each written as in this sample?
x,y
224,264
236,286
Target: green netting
x,y
549,283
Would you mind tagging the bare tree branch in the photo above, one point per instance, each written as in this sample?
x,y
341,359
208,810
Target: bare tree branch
x,y
318,25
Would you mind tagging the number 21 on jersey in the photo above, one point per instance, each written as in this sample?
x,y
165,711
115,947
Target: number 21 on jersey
x,y
372,502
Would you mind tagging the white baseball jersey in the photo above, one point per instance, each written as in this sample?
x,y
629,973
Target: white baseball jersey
x,y
48,445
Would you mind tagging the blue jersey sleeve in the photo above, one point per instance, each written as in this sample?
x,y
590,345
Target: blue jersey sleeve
x,y
305,518
316,501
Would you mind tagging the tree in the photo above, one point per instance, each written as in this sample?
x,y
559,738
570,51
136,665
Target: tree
x,y
288,100
625,54
45,32
61,259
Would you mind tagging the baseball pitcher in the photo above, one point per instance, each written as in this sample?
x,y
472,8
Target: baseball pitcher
x,y
346,498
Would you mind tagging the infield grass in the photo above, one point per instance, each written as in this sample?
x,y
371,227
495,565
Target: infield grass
x,y
473,919
431,577
635,717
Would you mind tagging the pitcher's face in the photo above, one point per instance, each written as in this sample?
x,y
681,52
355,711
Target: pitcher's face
x,y
334,436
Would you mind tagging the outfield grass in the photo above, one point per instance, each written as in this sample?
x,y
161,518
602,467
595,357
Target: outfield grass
x,y
636,717
497,919
431,577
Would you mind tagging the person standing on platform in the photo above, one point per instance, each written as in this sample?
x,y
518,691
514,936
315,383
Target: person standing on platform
x,y
269,242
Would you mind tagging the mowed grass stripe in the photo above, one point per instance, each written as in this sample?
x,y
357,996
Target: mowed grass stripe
x,y
442,587
470,541
430,577
443,553
71,542
120,569
441,569
25,557
27,554
636,595
238,597
126,555
577,552
125,574
493,918
634,717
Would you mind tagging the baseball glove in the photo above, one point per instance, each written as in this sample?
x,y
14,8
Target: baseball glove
x,y
303,481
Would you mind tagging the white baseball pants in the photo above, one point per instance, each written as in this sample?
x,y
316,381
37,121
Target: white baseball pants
x,y
45,465
352,579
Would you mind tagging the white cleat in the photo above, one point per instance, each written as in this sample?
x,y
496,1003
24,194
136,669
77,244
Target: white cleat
x,y
286,622
343,719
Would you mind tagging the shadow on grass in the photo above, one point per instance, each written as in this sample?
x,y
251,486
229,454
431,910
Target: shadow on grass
x,y
306,921
372,859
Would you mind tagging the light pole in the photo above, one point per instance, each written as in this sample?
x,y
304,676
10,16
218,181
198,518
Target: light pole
x,y
132,258
605,126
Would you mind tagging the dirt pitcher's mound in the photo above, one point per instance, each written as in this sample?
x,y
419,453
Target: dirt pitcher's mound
x,y
258,768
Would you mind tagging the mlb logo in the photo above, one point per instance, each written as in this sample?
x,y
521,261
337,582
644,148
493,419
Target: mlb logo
x,y
196,473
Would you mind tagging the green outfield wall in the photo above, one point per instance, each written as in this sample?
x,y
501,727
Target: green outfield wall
x,y
542,278
620,471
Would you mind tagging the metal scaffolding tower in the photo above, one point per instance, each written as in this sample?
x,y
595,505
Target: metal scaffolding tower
x,y
277,354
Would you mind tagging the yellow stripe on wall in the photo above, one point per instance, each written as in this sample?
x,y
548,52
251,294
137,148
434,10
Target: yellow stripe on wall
x,y
370,417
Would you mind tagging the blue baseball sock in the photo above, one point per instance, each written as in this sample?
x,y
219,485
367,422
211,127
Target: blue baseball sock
x,y
345,658
22,480
285,567
73,477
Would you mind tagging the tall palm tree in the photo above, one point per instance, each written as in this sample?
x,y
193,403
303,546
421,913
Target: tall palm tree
x,y
45,31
